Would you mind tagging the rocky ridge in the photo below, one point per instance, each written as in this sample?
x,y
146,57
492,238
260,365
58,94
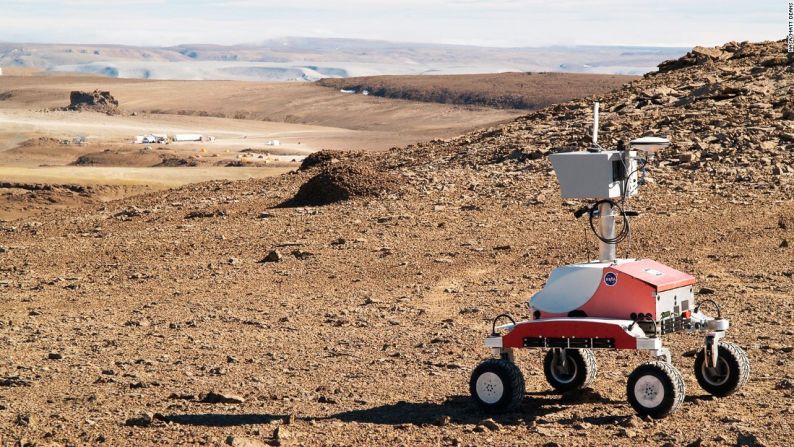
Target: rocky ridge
x,y
96,101
729,112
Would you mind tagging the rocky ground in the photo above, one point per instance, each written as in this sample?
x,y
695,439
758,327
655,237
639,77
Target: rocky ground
x,y
233,313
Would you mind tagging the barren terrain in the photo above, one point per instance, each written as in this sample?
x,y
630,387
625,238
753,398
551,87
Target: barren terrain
x,y
232,312
529,91
37,138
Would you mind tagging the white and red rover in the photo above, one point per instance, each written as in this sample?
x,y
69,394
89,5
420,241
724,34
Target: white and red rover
x,y
610,303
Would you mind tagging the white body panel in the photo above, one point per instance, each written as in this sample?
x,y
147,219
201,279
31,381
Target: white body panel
x,y
568,287
586,175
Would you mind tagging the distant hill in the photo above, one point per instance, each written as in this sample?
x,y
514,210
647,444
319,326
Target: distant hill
x,y
310,59
528,91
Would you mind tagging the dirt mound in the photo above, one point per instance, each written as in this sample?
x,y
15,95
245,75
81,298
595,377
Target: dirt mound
x,y
40,141
96,101
175,161
319,159
344,182
110,157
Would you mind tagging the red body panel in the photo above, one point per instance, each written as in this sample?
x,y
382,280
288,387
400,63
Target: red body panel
x,y
618,301
580,328
657,275
634,290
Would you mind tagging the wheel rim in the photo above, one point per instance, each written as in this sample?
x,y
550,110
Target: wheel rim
x,y
716,376
564,374
490,388
649,391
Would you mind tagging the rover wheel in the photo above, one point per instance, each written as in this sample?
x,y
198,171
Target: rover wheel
x,y
497,385
730,374
655,389
577,371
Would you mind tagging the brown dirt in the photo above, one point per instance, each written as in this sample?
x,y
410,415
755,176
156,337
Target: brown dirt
x,y
530,91
381,123
344,182
156,329
109,157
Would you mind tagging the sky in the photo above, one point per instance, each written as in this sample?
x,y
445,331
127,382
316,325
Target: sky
x,y
502,23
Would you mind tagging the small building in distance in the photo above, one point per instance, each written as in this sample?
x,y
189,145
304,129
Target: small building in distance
x,y
151,138
188,137
274,143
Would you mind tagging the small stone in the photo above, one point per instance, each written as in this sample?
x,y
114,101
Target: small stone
x,y
783,243
233,261
443,421
631,422
490,424
696,443
281,433
706,291
326,400
54,355
785,384
626,433
24,419
272,256
221,398
690,353
143,420
240,441
302,254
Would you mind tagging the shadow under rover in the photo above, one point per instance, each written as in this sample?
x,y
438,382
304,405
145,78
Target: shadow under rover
x,y
221,420
458,410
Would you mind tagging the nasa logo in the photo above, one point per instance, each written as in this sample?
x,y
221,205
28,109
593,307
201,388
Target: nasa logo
x,y
610,279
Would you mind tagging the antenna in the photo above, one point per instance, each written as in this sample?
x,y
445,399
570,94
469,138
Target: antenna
x,y
595,124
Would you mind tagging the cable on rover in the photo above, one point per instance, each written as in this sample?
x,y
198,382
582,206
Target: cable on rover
x,y
624,231
498,317
713,303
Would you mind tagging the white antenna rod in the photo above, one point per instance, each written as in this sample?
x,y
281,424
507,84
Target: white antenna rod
x,y
595,124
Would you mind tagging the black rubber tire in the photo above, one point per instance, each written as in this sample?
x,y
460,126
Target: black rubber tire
x,y
512,382
732,362
673,389
584,372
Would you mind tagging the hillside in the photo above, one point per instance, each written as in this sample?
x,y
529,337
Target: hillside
x,y
233,312
382,123
529,91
